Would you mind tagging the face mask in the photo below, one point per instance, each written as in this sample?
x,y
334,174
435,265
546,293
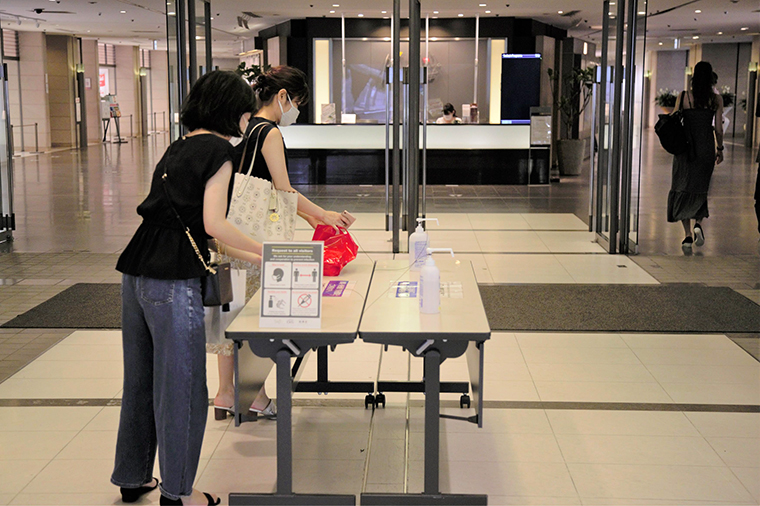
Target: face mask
x,y
448,117
290,117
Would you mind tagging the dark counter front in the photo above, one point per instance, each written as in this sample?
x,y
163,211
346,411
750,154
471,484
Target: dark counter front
x,y
444,166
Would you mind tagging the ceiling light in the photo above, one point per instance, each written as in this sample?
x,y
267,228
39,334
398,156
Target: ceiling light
x,y
560,12
697,11
745,28
660,43
123,12
462,15
482,5
170,13
332,12
435,12
212,18
695,37
383,12
642,13
361,15
336,5
720,33
488,12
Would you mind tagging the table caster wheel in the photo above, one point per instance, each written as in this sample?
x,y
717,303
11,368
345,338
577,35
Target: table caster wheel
x,y
380,399
464,401
369,400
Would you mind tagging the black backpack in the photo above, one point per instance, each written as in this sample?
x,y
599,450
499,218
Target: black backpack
x,y
672,132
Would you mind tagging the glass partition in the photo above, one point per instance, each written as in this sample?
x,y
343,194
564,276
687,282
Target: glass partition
x,y
6,159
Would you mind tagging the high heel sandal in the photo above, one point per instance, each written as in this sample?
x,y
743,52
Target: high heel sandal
x,y
165,501
220,412
133,494
269,412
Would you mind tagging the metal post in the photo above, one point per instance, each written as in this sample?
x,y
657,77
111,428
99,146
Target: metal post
x,y
749,136
182,87
387,146
477,44
425,90
284,425
594,92
163,120
343,65
626,168
603,151
36,139
191,41
131,133
405,137
617,120
396,122
432,421
154,121
207,34
413,136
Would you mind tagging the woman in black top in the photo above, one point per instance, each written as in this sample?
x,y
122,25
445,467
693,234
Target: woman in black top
x,y
165,399
693,170
279,93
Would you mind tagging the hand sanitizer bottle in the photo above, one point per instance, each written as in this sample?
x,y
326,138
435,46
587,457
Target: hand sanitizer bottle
x,y
430,283
419,242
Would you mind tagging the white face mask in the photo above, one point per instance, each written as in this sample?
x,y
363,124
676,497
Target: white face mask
x,y
290,117
448,117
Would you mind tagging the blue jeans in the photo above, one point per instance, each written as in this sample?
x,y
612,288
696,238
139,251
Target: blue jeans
x,y
165,399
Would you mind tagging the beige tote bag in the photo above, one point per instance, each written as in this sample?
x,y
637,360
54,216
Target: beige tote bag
x,y
257,208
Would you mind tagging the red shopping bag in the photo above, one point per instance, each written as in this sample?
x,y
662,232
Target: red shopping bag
x,y
340,248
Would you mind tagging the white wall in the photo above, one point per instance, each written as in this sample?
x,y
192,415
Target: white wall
x,y
226,63
159,72
127,87
92,95
34,97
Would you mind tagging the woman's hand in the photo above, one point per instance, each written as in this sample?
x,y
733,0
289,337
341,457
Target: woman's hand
x,y
335,220
719,157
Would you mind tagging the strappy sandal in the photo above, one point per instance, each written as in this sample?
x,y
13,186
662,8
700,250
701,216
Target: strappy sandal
x,y
270,411
133,494
165,501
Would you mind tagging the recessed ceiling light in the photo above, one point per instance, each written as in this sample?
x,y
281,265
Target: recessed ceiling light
x,y
720,33
660,43
336,5
212,18
383,12
361,15
332,12
560,12
435,12
697,11
745,28
642,13
123,12
488,12
462,15
695,37
482,5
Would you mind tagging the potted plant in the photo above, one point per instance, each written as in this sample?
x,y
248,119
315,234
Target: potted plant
x,y
252,72
576,95
666,99
728,105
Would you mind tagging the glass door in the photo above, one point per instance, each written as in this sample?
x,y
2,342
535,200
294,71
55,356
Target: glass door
x,y
620,119
6,161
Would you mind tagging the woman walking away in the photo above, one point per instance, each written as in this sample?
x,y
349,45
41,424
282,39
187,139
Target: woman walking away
x,y
693,169
165,399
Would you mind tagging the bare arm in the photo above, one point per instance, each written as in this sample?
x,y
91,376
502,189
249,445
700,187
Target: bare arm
x,y
274,154
678,101
719,129
215,216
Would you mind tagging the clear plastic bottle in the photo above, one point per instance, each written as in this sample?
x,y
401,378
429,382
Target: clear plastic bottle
x,y
430,283
419,242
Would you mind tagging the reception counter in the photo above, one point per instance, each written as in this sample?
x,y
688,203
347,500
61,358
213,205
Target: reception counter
x,y
456,154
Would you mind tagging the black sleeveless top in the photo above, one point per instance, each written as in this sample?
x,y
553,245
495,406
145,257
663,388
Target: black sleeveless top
x,y
260,167
160,249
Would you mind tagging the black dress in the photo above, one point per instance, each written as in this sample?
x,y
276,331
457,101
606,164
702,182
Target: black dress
x,y
693,170
160,249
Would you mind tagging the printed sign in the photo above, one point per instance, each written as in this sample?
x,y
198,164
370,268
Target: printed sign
x,y
403,290
290,285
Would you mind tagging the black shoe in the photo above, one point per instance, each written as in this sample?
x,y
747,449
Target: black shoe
x,y
686,245
165,501
699,235
133,494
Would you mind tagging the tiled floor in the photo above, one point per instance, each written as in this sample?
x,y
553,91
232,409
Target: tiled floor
x,y
571,418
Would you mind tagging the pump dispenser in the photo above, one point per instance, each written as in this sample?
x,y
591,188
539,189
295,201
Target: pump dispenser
x,y
430,283
419,242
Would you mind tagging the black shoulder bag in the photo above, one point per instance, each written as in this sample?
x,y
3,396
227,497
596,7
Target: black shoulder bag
x,y
216,285
672,132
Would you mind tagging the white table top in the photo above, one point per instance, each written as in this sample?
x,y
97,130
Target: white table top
x,y
388,317
340,315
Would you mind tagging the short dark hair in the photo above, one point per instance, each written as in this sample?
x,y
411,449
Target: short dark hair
x,y
216,102
290,79
449,109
